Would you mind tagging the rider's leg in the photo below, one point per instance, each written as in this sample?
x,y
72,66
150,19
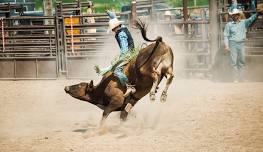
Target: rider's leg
x,y
103,70
125,81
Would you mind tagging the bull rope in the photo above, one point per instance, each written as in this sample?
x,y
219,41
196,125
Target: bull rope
x,y
71,31
3,33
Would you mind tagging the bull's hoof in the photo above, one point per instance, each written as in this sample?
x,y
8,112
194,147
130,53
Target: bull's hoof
x,y
152,96
102,130
156,90
89,134
163,97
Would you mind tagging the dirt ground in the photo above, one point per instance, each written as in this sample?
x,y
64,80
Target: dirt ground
x,y
199,116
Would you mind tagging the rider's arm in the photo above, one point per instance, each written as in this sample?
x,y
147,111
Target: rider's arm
x,y
112,15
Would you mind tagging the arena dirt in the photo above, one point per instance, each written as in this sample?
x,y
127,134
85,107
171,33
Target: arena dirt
x,y
199,116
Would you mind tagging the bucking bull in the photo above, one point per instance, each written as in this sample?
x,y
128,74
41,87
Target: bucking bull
x,y
144,71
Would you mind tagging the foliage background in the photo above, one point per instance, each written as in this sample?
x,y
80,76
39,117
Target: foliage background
x,y
100,5
179,3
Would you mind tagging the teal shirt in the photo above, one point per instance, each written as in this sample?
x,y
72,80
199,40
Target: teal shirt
x,y
236,31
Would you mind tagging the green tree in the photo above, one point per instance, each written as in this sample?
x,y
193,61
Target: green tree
x,y
99,5
179,3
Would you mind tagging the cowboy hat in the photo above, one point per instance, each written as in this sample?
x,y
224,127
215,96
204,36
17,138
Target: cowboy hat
x,y
167,13
113,23
234,11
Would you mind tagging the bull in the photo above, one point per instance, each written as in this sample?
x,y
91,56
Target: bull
x,y
145,71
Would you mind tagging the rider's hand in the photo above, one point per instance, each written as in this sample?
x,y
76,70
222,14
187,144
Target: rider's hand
x,y
97,69
226,50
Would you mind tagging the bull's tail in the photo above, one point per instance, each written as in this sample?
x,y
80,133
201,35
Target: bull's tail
x,y
141,25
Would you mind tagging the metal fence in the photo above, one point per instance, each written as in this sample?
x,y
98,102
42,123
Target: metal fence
x,y
28,48
73,41
189,39
84,43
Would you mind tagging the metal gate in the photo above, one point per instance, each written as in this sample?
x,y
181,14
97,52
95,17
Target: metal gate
x,y
70,47
27,48
84,44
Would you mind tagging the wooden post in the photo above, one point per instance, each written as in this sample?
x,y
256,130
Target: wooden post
x,y
214,27
186,44
185,13
79,6
47,4
151,11
226,4
133,12
3,33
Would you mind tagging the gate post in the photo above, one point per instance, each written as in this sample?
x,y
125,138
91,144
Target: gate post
x,y
185,13
133,13
186,44
60,40
214,26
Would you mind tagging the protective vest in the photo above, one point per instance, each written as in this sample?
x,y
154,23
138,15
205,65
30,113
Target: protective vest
x,y
130,40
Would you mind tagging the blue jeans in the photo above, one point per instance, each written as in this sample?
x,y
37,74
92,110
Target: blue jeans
x,y
119,73
237,57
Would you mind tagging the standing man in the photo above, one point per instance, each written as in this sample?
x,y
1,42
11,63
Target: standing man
x,y
126,44
234,40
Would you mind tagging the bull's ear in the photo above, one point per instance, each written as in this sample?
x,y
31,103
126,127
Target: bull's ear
x,y
91,84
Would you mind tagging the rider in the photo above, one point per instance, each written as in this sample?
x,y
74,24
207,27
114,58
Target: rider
x,y
126,44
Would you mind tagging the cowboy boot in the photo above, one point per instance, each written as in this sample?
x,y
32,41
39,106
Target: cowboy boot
x,y
97,69
130,90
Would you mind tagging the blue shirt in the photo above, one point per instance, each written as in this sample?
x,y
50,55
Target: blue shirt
x,y
236,31
111,15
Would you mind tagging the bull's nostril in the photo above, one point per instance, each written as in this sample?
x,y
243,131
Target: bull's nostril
x,y
66,89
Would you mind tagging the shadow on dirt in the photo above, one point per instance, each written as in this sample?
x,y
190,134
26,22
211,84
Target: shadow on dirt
x,y
80,130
